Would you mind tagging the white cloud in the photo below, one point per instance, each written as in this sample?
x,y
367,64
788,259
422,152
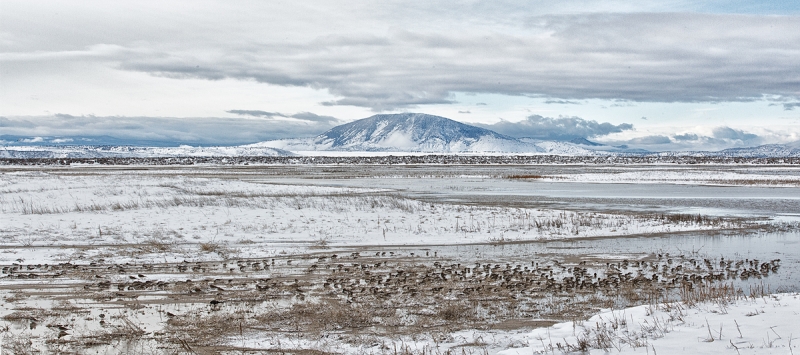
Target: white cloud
x,y
32,140
706,137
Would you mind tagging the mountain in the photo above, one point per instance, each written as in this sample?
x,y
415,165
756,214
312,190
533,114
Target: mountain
x,y
407,132
78,140
31,152
789,150
561,148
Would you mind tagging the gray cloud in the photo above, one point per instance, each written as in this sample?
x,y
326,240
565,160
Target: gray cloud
x,y
686,137
256,113
637,57
312,117
5,122
561,128
59,128
396,54
791,106
305,116
562,102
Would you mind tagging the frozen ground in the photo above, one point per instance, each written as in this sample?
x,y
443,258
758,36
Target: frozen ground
x,y
758,325
763,325
363,259
98,213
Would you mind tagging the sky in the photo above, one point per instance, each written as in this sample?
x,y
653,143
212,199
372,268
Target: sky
x,y
657,75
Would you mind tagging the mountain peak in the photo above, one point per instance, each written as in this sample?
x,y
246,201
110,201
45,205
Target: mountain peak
x,y
408,132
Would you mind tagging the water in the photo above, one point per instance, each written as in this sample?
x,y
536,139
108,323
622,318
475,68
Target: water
x,y
763,247
748,201
480,186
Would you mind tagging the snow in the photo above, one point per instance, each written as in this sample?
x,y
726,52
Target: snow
x,y
41,209
767,324
564,148
398,139
410,133
147,215
762,325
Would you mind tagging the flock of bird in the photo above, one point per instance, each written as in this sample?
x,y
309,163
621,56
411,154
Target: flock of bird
x,y
423,285
386,275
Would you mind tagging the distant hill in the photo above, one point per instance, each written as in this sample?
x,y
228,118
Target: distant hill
x,y
31,152
789,150
408,132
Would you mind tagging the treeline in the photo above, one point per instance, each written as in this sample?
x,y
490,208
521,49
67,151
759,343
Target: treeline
x,y
403,160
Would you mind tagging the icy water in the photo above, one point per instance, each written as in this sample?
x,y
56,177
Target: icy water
x,y
473,187
650,197
711,200
762,247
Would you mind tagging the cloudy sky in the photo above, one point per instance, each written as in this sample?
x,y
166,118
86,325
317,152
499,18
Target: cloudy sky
x,y
658,75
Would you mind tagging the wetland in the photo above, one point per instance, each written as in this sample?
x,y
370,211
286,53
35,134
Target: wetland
x,y
374,259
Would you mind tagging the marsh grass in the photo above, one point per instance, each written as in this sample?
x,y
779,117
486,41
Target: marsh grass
x,y
209,247
155,244
361,302
721,294
360,299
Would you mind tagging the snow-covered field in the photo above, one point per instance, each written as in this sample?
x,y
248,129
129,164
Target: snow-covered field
x,y
768,324
42,209
100,258
760,325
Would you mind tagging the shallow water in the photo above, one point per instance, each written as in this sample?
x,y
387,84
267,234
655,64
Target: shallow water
x,y
777,203
651,197
763,247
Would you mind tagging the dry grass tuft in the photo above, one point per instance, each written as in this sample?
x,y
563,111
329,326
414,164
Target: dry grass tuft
x,y
209,247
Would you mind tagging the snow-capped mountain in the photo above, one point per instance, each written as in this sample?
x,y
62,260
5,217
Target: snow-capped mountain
x,y
561,148
407,132
789,150
31,152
